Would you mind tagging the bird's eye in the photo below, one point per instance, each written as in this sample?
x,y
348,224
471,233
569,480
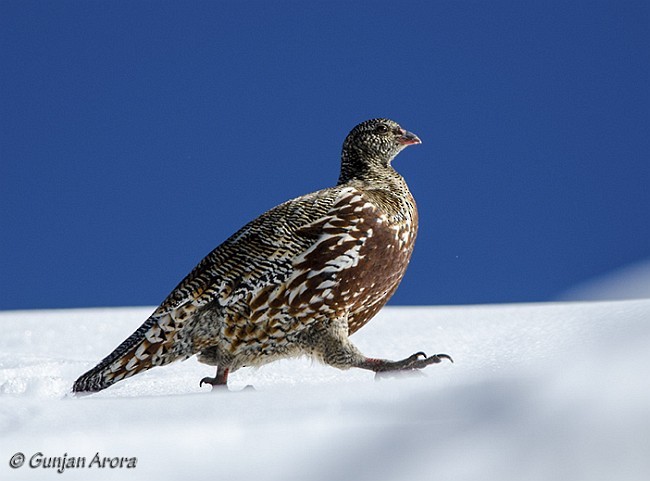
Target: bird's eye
x,y
381,129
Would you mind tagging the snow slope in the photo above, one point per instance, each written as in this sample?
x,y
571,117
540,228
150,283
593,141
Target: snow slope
x,y
537,392
628,282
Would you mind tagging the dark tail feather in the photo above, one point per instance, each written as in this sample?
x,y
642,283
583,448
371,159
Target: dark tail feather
x,y
145,348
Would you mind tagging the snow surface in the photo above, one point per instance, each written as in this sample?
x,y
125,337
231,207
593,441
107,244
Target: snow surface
x,y
537,392
628,282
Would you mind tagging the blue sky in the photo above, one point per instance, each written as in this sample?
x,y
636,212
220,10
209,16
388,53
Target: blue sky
x,y
137,136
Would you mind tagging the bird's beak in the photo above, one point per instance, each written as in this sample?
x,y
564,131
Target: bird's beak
x,y
408,138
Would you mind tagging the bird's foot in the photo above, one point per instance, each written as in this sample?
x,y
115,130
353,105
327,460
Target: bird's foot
x,y
218,382
214,382
419,360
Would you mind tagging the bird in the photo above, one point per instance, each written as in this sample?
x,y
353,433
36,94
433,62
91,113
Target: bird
x,y
299,279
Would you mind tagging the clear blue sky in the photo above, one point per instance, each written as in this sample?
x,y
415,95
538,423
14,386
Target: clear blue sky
x,y
137,136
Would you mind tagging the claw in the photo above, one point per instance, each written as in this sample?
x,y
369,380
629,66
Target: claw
x,y
221,379
419,360
212,381
445,356
435,359
439,357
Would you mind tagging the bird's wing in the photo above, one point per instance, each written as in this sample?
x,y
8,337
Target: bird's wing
x,y
258,255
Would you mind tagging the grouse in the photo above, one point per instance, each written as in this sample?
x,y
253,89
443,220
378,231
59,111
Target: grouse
x,y
298,280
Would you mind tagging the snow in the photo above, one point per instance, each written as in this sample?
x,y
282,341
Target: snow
x,y
628,282
537,392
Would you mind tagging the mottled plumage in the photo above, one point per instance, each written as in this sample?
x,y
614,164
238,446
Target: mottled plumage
x,y
299,279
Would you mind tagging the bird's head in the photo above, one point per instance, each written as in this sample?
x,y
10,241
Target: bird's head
x,y
374,144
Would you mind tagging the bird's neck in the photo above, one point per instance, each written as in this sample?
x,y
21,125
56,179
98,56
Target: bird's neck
x,y
381,182
358,166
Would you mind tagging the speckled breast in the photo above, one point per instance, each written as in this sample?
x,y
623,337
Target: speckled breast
x,y
357,263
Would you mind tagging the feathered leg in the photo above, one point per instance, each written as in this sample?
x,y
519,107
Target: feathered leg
x,y
334,348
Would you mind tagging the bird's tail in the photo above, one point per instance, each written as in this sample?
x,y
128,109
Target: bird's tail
x,y
147,347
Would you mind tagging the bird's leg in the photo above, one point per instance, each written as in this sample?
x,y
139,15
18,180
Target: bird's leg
x,y
419,360
336,350
219,381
